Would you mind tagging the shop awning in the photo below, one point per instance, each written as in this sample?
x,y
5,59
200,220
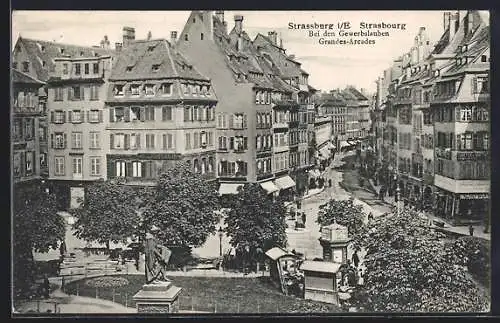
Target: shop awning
x,y
229,188
284,182
269,187
276,253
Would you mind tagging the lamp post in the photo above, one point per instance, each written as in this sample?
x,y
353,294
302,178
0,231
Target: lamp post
x,y
221,233
398,191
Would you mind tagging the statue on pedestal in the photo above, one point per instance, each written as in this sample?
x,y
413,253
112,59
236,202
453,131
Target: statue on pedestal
x,y
157,257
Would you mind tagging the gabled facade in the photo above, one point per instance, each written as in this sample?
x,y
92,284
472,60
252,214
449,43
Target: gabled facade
x,y
159,109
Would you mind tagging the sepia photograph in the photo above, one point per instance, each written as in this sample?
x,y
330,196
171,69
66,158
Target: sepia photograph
x,y
250,162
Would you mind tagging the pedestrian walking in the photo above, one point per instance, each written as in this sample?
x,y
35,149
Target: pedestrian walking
x,y
355,259
46,286
330,183
471,230
370,216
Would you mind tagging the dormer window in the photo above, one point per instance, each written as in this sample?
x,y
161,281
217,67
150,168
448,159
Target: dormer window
x,y
149,89
166,89
118,90
186,37
484,58
185,88
151,48
42,48
61,50
135,89
155,68
464,48
436,73
129,69
81,53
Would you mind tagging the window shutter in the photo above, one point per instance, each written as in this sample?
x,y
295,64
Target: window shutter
x,y
474,85
88,116
65,140
82,116
153,169
244,121
231,143
143,112
245,143
151,113
129,169
52,116
70,93
457,114
138,140
231,119
475,141
164,113
82,93
186,114
52,140
127,142
111,115
111,167
126,114
64,116
100,116
111,141
164,141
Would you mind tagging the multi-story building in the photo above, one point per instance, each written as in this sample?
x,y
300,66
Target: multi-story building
x,y
323,135
52,63
289,70
461,111
161,109
26,134
247,84
334,105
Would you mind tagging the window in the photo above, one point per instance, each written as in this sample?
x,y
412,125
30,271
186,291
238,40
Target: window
x,y
239,143
135,89
149,89
149,114
87,68
185,88
223,143
118,90
150,141
466,114
481,85
42,133
26,67
210,138
186,37
76,93
94,92
59,165
94,140
136,169
95,166
155,67
76,140
14,65
238,121
58,94
166,89
119,141
59,141
121,169
135,113
29,159
43,160
77,67
485,141
29,128
95,68
76,116
65,69
166,113
203,139
77,166
201,36
188,140
135,141
94,116
168,141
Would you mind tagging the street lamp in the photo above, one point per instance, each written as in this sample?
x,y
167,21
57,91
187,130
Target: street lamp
x,y
398,190
221,233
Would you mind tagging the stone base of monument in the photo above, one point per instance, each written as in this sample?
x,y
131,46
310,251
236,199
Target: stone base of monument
x,y
160,297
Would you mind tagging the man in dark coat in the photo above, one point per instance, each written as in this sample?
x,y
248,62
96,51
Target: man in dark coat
x,y
355,259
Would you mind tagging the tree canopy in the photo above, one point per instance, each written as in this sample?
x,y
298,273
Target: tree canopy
x,y
255,219
108,213
345,213
410,269
37,226
182,207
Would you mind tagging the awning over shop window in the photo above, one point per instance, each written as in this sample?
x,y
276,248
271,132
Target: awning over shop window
x,y
284,182
229,188
344,144
269,187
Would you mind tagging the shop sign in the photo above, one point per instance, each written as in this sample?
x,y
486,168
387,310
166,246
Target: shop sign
x,y
471,155
443,153
474,196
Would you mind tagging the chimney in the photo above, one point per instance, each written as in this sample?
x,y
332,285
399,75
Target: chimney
x,y
128,35
220,15
281,42
150,35
292,57
173,37
454,23
446,20
238,24
468,23
273,36
105,42
118,47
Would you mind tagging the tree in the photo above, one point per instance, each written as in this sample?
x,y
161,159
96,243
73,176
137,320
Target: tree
x,y
474,253
182,207
256,220
37,226
109,213
345,213
410,269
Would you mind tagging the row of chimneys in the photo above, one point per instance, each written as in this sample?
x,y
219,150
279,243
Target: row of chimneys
x,y
129,36
452,21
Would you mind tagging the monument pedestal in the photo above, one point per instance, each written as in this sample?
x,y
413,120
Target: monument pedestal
x,y
161,297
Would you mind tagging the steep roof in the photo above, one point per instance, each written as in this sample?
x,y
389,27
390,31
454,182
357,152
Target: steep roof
x,y
136,61
357,94
291,68
41,51
22,78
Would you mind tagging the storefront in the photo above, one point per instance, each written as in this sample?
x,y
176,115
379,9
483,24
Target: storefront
x,y
286,185
462,207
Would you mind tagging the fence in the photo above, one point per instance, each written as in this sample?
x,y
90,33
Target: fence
x,y
41,306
